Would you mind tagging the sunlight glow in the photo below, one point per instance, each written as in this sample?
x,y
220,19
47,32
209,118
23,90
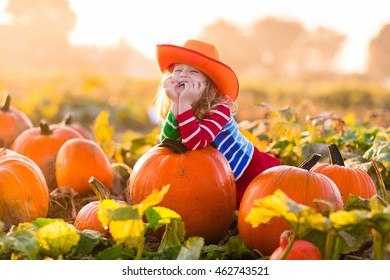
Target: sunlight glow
x,y
143,24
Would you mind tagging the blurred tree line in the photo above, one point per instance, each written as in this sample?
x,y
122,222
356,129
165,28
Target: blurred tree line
x,y
37,37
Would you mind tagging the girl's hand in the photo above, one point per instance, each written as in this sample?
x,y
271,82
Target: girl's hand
x,y
192,92
170,89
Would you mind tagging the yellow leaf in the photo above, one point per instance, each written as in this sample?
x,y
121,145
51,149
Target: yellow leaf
x,y
166,214
345,218
317,221
127,232
104,208
299,216
103,132
58,238
152,199
250,136
277,202
260,216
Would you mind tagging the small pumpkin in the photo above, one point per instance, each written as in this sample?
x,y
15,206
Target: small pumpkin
x,y
13,122
299,184
68,121
77,160
349,180
24,195
202,187
87,217
41,144
301,249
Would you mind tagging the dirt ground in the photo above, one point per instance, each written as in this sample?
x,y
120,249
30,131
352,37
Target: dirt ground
x,y
65,203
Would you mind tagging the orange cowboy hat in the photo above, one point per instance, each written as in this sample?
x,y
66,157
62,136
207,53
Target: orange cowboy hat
x,y
203,56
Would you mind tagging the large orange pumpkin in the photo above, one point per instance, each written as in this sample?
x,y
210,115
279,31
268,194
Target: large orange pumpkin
x,y
24,195
79,159
298,184
202,187
349,180
41,144
12,123
87,217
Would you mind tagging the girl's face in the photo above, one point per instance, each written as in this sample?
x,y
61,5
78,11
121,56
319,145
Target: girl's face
x,y
183,73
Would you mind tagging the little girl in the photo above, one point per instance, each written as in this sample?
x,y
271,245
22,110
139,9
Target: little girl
x,y
196,100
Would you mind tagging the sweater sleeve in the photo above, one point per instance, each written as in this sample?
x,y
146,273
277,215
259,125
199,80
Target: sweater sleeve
x,y
198,135
170,128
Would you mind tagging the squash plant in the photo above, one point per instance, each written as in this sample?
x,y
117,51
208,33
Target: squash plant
x,y
300,185
56,239
87,217
346,230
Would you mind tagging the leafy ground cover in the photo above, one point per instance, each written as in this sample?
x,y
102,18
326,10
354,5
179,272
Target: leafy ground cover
x,y
360,231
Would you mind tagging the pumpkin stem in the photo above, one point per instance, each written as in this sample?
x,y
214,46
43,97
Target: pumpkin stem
x,y
175,146
68,119
335,155
45,129
99,189
6,103
310,162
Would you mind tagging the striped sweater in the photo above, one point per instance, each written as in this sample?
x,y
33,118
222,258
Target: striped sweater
x,y
218,129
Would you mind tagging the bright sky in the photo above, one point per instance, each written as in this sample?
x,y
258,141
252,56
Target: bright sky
x,y
145,23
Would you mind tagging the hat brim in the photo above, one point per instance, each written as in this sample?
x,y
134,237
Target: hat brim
x,y
222,75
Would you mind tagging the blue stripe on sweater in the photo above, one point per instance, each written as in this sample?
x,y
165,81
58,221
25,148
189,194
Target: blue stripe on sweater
x,y
237,149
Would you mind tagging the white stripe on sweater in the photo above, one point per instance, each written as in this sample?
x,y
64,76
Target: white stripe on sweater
x,y
208,130
187,121
191,136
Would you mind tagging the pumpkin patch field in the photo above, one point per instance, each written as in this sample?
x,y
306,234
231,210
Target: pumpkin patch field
x,y
83,176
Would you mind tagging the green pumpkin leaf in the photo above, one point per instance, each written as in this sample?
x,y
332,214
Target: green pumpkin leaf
x,y
173,237
379,151
116,252
89,239
22,241
380,217
356,202
233,249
